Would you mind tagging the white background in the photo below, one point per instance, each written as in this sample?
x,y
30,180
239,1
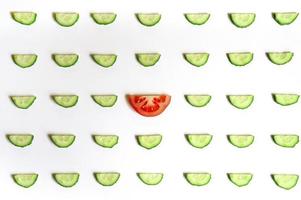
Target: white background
x,y
172,75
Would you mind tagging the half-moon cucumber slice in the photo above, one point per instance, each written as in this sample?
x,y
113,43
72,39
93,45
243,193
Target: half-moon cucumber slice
x,y
104,60
106,178
62,140
150,178
65,101
241,141
106,141
198,140
148,59
240,179
20,140
198,100
288,141
197,178
285,18
65,60
25,180
242,20
24,60
148,19
196,59
149,141
285,181
240,101
285,99
197,18
66,179
23,102
66,19
103,18
240,58
280,58
105,100
25,18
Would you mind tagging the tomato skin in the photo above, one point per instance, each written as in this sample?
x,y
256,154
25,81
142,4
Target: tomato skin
x,y
149,105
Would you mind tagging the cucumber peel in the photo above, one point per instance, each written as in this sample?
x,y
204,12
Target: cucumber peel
x,y
242,20
240,101
66,179
20,140
148,59
62,140
105,100
285,181
148,19
285,18
149,141
240,179
25,180
66,19
241,141
104,60
240,58
280,58
65,60
150,178
23,102
106,141
285,99
103,18
197,18
106,178
197,178
25,18
196,59
198,140
288,141
24,60
198,100
65,101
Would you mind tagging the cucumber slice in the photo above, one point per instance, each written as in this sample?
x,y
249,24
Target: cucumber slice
x,y
25,180
241,141
104,60
198,140
285,99
196,59
240,58
65,101
103,18
240,179
107,178
197,18
280,58
198,100
150,178
242,20
285,18
66,179
23,102
148,19
66,19
240,101
285,181
20,140
288,141
105,100
25,18
197,179
65,60
24,60
106,141
148,59
149,141
62,141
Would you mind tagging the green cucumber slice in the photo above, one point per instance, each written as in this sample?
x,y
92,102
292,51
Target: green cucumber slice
x,y
103,18
25,18
104,60
242,20
24,60
105,100
65,101
148,19
148,59
66,179
198,100
150,178
240,101
285,18
280,58
196,59
23,102
288,141
240,58
285,99
240,179
149,141
241,141
62,140
198,140
285,181
65,60
106,141
66,19
20,140
197,178
107,178
25,180
197,18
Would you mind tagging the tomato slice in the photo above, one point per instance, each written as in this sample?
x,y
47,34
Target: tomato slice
x,y
149,105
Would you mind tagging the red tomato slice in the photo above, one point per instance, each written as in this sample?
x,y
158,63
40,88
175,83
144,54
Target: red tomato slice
x,y
149,105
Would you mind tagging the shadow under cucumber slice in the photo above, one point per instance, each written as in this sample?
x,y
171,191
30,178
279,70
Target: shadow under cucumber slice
x,y
20,140
107,178
106,141
25,180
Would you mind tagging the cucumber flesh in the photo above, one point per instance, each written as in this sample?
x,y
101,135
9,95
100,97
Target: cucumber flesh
x,y
280,58
148,19
285,99
241,141
25,18
196,59
65,101
240,179
107,178
24,60
25,180
65,60
240,101
240,59
106,141
20,140
288,141
62,140
197,179
197,18
65,19
104,60
103,18
285,181
23,102
148,59
198,100
150,178
149,141
242,20
199,140
285,18
66,179
105,100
